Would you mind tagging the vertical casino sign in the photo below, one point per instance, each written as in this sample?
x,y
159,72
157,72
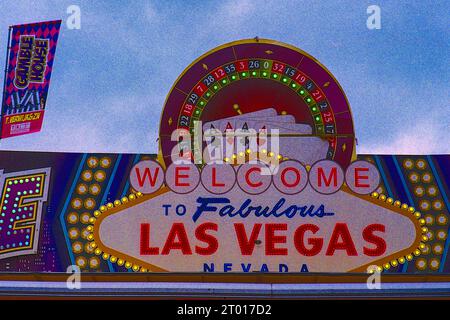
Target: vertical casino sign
x,y
29,64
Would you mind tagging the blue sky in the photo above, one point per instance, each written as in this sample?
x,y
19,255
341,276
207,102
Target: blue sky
x,y
111,77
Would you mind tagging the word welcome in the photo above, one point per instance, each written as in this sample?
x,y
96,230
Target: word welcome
x,y
290,177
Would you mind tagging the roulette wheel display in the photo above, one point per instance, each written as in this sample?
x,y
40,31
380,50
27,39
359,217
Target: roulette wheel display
x,y
263,84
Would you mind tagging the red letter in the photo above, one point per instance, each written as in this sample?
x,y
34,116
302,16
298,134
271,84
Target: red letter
x,y
147,172
247,179
214,181
341,231
247,245
321,175
377,241
145,241
272,239
299,241
358,177
200,234
178,176
297,179
177,239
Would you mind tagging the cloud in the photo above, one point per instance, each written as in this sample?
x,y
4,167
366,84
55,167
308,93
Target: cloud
x,y
150,12
427,137
112,76
237,9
